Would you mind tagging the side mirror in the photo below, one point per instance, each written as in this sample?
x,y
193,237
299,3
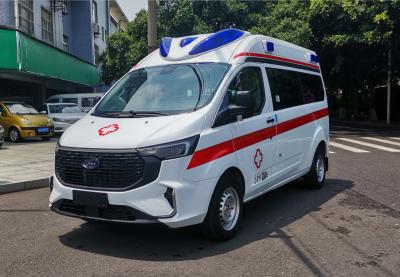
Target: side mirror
x,y
243,104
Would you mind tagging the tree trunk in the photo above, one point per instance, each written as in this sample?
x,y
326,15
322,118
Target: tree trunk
x,y
388,82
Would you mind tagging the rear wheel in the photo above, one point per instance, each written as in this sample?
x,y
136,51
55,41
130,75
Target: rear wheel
x,y
316,177
225,211
14,135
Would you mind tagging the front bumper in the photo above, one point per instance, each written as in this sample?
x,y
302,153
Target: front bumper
x,y
30,132
170,199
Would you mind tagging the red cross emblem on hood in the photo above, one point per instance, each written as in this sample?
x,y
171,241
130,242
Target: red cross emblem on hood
x,y
108,129
258,158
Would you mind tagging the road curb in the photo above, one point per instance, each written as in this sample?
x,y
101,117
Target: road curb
x,y
21,186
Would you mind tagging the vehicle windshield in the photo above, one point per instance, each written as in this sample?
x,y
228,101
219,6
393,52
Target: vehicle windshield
x,y
21,108
162,90
62,108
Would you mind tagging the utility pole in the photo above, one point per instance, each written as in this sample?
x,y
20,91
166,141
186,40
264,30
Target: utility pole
x,y
152,26
388,82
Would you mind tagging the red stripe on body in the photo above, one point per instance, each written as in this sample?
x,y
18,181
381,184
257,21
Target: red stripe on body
x,y
219,150
276,58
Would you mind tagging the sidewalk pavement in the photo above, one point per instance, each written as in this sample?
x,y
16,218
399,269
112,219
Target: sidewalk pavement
x,y
26,165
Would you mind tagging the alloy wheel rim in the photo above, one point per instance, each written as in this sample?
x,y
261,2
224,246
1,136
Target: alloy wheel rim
x,y
13,135
320,167
229,208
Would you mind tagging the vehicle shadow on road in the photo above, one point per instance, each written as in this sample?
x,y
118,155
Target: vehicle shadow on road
x,y
264,217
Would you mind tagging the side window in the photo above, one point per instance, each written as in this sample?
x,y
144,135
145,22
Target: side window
x,y
285,88
70,100
292,88
43,108
54,100
248,79
313,90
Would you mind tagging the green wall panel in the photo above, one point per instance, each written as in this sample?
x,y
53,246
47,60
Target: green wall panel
x,y
40,58
8,49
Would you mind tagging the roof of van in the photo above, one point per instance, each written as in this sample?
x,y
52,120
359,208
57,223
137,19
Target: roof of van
x,y
69,95
230,46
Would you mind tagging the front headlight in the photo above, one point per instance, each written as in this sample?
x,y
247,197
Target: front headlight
x,y
171,150
26,121
1,129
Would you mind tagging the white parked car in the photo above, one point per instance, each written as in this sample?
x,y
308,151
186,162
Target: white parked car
x,y
193,131
84,100
62,114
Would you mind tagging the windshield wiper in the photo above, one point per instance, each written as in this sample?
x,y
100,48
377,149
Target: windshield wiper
x,y
131,113
141,113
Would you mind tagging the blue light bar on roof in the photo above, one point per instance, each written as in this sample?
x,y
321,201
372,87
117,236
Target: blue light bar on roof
x,y
269,46
216,40
187,41
314,58
165,45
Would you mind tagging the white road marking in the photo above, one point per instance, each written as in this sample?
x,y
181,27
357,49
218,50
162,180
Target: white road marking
x,y
394,138
331,152
384,148
348,148
383,141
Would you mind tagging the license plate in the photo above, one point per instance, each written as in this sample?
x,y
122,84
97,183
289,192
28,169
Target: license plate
x,y
87,198
43,130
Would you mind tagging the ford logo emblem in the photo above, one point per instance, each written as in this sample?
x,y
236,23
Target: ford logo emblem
x,y
91,163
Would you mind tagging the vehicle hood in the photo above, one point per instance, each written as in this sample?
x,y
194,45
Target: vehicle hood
x,y
124,133
67,115
36,119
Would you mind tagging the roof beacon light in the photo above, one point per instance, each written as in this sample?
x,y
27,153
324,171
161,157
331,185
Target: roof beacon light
x,y
187,41
165,45
216,40
269,47
314,58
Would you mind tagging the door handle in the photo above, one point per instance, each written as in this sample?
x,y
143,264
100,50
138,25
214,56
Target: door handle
x,y
271,120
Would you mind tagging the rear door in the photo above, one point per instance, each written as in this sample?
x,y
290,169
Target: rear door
x,y
252,136
296,96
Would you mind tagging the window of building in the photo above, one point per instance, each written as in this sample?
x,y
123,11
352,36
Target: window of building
x,y
25,16
248,79
65,43
47,26
102,33
96,54
292,88
95,16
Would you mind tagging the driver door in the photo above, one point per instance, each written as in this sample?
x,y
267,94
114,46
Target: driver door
x,y
252,136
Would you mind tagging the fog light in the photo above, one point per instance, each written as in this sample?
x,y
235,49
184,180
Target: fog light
x,y
169,195
51,183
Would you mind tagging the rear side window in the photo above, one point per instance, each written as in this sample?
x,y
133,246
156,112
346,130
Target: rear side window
x,y
292,88
70,100
53,100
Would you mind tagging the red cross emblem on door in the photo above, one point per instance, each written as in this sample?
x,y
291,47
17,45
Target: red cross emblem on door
x,y
258,158
108,129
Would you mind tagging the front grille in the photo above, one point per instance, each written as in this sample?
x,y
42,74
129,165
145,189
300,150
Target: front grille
x,y
115,170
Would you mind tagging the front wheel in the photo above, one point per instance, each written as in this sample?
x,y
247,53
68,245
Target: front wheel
x,y
316,177
225,211
14,135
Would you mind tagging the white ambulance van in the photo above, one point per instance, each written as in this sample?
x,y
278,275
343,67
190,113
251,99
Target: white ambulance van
x,y
193,131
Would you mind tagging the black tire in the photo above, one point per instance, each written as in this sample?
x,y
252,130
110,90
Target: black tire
x,y
213,226
316,176
14,135
45,138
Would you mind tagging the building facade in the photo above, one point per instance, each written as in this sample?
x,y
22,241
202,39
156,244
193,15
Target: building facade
x,y
51,46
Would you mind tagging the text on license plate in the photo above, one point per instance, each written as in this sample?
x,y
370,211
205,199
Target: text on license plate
x,y
43,130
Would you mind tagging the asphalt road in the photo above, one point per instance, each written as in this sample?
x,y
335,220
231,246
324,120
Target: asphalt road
x,y
351,227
